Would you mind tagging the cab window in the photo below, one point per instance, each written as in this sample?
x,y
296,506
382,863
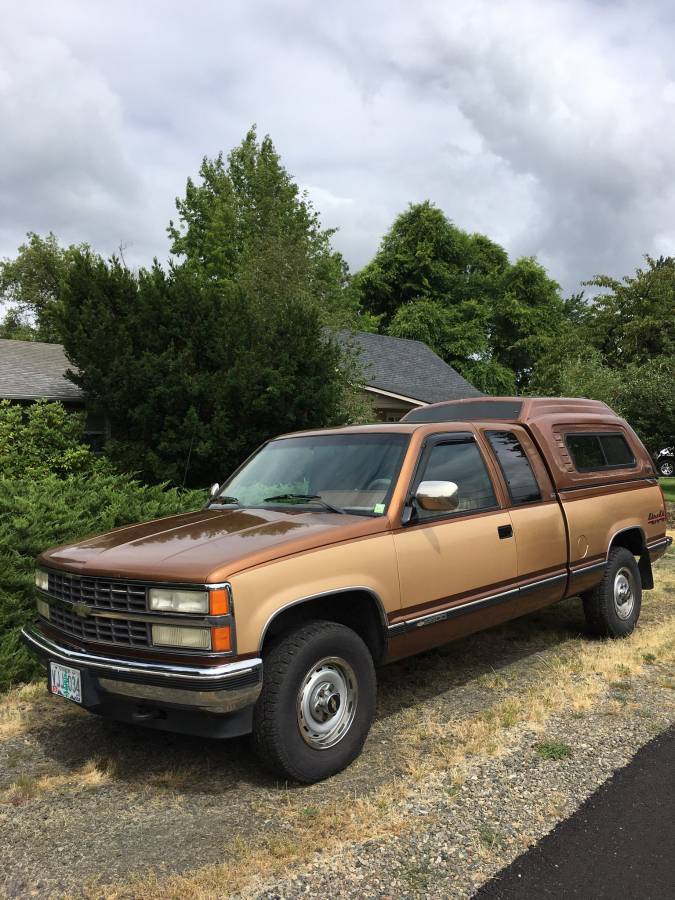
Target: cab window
x,y
515,466
461,462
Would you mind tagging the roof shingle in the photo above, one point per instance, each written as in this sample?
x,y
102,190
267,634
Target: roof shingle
x,y
31,370
408,368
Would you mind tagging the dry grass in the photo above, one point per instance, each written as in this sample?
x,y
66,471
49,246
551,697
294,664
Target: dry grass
x,y
306,831
92,774
16,708
22,708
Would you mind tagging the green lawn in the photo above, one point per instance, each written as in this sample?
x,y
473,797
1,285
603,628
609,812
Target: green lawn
x,y
668,485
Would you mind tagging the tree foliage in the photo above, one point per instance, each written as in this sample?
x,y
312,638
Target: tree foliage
x,y
620,347
247,223
190,373
196,365
30,288
43,437
459,293
54,489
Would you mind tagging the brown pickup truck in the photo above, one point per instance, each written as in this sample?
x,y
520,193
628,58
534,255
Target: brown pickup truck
x,y
328,553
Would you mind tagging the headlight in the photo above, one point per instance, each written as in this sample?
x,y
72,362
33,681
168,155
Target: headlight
x,y
169,600
42,608
41,579
185,638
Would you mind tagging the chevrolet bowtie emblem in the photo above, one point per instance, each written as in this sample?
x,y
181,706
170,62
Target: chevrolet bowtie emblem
x,y
81,610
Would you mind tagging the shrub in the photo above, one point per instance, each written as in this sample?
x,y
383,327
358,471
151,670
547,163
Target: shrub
x,y
39,512
42,438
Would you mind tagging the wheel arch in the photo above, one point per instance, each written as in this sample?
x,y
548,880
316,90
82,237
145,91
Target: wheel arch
x,y
633,539
358,607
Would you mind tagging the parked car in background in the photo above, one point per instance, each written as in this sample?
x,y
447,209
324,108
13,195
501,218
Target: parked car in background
x,y
328,553
665,462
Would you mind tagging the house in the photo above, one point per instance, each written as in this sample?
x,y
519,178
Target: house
x,y
32,370
398,375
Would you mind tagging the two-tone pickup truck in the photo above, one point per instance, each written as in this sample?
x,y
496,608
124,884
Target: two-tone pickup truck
x,y
328,553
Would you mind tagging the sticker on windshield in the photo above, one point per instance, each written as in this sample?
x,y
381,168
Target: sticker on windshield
x,y
378,509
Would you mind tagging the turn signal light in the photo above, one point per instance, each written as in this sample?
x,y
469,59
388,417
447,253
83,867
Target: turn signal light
x,y
219,602
221,639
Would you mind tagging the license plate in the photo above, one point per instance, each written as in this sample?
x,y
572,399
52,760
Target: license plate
x,y
65,682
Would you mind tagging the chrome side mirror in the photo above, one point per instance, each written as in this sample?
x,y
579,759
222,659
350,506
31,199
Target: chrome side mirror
x,y
214,490
438,496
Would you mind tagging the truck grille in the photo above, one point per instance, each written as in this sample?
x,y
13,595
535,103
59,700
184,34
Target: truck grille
x,y
123,632
97,592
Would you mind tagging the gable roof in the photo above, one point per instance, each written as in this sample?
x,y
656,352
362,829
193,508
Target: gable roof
x,y
31,370
408,368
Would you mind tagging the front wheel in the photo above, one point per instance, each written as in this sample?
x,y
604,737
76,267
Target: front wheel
x,y
613,607
317,702
666,467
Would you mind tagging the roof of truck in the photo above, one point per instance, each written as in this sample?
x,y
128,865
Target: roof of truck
x,y
506,409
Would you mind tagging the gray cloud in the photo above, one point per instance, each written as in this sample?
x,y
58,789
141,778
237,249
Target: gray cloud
x,y
546,126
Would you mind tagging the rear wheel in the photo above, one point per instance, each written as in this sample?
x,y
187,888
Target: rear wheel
x,y
666,467
317,702
613,607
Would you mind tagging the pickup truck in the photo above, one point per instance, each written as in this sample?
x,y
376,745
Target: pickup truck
x,y
328,553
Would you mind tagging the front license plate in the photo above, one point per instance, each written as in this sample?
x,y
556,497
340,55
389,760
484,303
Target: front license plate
x,y
65,682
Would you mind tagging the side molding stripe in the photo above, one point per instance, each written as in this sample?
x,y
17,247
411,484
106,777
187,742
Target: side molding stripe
x,y
465,608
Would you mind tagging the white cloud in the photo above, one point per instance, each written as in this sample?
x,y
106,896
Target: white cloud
x,y
546,126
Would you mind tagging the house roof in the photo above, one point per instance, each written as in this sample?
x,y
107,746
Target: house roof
x,y
31,370
409,369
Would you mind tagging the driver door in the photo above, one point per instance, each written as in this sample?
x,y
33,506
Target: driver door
x,y
456,569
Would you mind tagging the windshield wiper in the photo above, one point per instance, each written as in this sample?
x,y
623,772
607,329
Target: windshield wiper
x,y
317,498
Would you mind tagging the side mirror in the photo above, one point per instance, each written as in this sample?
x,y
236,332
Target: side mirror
x,y
214,490
438,495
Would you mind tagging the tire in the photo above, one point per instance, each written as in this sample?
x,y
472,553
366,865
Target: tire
x,y
666,467
612,608
317,702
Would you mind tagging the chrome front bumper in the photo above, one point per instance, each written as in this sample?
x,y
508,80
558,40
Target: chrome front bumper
x,y
216,689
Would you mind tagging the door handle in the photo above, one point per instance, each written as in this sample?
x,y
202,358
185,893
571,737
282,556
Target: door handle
x,y
505,531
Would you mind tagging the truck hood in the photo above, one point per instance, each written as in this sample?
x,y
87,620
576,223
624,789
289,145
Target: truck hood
x,y
208,545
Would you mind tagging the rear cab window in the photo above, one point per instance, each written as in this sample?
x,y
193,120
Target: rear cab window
x,y
597,451
515,465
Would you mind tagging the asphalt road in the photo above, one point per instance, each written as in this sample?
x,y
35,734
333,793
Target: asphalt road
x,y
619,844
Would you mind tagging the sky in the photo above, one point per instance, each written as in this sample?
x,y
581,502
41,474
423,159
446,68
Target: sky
x,y
546,125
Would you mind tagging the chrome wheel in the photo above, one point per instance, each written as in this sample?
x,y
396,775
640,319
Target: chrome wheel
x,y
667,468
624,593
326,703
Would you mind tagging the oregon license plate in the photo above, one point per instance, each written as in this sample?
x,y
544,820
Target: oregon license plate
x,y
65,682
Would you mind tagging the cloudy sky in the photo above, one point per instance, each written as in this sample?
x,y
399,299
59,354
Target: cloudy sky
x,y
547,125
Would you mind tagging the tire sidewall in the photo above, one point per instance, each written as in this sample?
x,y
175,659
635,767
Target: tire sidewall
x,y
618,627
304,762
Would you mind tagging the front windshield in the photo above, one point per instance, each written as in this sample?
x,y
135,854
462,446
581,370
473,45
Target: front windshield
x,y
354,472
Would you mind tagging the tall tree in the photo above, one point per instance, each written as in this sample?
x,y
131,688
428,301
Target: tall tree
x,y
431,281
246,222
30,288
619,347
195,366
633,319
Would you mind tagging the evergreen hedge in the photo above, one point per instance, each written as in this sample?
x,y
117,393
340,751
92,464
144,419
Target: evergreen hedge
x,y
53,490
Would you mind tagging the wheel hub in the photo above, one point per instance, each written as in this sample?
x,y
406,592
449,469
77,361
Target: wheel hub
x,y
624,598
326,703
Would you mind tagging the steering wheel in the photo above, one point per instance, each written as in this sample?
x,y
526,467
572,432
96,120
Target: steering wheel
x,y
379,484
